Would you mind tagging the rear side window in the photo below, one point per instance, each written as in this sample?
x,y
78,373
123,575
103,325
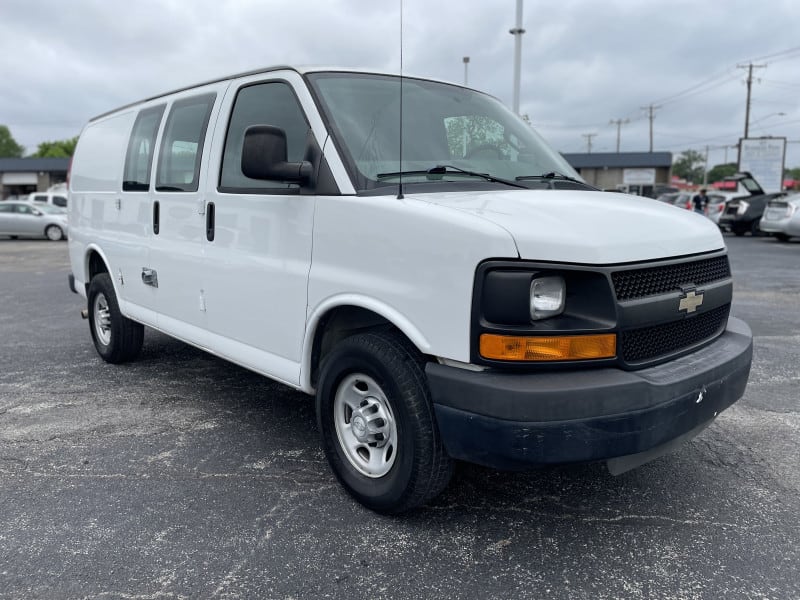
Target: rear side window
x,y
40,198
273,104
182,144
59,201
139,159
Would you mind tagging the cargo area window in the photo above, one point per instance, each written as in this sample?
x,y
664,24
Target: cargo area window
x,y
139,159
272,103
182,144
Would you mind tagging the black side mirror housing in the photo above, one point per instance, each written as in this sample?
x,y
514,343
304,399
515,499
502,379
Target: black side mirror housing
x,y
264,156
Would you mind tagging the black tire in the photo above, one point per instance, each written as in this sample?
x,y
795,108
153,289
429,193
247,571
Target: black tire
x,y
420,467
782,237
116,338
755,229
54,233
738,232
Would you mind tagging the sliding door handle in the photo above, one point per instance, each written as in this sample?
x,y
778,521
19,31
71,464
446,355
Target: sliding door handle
x,y
210,222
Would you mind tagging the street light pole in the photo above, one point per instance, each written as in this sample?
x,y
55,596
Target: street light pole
x,y
466,64
517,33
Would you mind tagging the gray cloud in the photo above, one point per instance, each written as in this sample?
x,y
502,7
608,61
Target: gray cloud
x,y
584,62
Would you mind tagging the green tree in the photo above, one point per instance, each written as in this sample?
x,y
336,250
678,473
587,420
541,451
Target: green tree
x,y
472,132
689,165
720,172
9,148
793,173
57,149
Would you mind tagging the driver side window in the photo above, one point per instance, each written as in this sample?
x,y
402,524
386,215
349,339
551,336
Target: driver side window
x,y
272,103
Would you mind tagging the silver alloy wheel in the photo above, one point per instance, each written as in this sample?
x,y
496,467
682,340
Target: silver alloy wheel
x,y
54,233
102,319
365,425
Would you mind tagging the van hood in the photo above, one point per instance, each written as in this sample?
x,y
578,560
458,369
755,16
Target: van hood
x,y
587,227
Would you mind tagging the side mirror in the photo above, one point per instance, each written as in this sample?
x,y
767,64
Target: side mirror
x,y
37,213
264,156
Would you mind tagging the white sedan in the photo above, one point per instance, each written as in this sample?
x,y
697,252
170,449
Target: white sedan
x,y
782,217
22,219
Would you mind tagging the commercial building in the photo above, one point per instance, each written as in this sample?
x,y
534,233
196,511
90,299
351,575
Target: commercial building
x,y
634,172
21,176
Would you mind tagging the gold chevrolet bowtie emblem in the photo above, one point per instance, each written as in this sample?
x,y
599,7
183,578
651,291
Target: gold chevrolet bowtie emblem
x,y
690,302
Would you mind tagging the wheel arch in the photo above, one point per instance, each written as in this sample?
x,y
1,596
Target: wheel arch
x,y
339,318
95,262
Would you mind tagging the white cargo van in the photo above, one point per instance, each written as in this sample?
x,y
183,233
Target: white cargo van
x,y
445,284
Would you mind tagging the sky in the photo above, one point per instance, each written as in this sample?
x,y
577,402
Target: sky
x,y
584,63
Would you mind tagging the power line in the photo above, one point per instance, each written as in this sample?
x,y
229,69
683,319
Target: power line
x,y
619,123
749,68
651,115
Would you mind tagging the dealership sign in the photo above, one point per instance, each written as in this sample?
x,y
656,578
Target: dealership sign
x,y
763,158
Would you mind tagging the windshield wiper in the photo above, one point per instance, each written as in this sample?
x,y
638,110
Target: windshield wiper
x,y
551,175
434,173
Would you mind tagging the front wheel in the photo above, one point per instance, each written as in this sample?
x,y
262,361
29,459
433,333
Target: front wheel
x,y
116,338
377,422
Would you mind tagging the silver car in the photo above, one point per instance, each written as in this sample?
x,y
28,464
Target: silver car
x,y
22,219
782,217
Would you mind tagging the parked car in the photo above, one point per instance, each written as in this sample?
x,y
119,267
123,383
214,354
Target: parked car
x,y
668,197
23,219
683,200
717,202
49,197
782,217
743,215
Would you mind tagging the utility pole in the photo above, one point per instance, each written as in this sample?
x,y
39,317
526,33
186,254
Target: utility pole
x,y
619,123
749,68
705,169
651,115
589,137
517,33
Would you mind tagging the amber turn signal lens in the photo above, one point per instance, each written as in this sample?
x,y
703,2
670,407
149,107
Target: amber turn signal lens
x,y
529,348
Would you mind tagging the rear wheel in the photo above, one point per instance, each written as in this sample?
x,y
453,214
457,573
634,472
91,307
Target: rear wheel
x,y
54,233
782,237
755,229
377,423
116,338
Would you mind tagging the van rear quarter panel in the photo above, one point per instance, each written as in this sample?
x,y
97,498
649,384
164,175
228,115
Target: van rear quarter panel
x,y
95,183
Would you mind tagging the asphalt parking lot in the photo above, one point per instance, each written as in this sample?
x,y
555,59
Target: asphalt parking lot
x,y
183,476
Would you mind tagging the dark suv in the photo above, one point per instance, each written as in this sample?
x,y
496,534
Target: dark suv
x,y
743,214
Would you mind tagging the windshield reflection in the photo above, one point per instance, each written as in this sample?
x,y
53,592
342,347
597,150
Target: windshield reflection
x,y
442,125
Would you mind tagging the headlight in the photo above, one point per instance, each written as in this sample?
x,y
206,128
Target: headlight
x,y
547,297
743,206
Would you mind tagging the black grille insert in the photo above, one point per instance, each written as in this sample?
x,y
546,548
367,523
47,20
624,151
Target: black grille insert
x,y
648,343
638,283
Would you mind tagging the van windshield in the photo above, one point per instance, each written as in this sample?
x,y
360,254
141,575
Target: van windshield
x,y
450,134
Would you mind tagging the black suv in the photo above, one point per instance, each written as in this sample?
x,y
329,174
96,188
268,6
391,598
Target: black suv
x,y
743,214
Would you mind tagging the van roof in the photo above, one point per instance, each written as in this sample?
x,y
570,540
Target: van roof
x,y
302,70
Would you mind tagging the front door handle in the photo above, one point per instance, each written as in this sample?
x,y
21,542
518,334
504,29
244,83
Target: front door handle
x,y
210,222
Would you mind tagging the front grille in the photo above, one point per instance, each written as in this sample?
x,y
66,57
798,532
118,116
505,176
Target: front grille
x,y
648,343
638,283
